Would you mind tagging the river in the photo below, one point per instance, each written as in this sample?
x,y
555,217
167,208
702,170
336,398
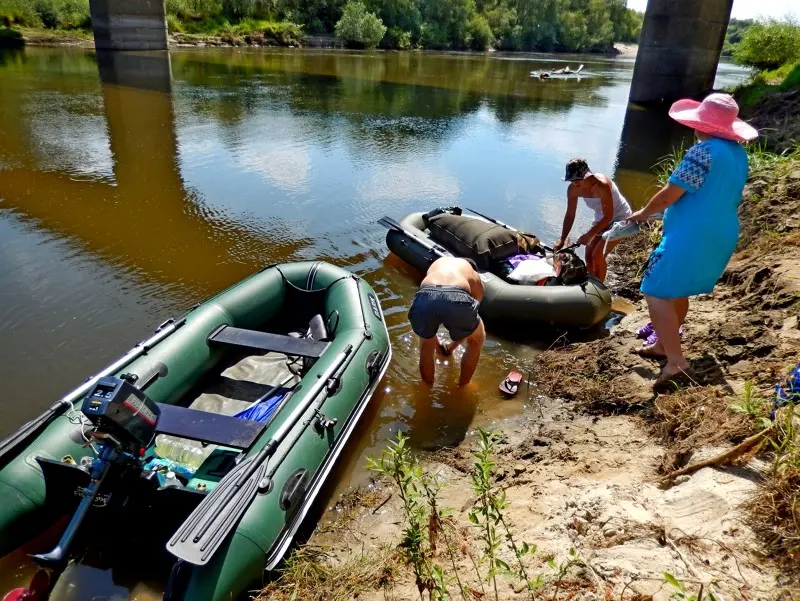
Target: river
x,y
134,186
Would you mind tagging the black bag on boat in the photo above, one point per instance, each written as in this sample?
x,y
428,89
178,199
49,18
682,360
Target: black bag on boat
x,y
483,242
570,269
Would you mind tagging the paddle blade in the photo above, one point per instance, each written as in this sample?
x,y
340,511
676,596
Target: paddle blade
x,y
210,524
390,224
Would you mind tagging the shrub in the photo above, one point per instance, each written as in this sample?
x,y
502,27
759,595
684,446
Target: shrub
x,y
769,44
174,24
359,27
48,12
284,33
18,12
10,38
397,39
479,33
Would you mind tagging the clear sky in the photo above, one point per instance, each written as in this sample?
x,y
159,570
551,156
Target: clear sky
x,y
746,9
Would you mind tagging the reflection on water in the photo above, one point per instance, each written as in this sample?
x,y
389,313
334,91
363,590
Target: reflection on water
x,y
131,186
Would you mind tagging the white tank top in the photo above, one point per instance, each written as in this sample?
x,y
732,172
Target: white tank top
x,y
622,210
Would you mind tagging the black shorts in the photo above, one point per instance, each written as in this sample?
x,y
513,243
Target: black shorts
x,y
450,306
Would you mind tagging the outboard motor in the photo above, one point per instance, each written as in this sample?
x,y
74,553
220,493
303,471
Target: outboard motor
x,y
124,420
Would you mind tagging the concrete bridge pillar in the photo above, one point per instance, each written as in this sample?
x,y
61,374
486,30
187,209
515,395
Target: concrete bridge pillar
x,y
129,24
679,49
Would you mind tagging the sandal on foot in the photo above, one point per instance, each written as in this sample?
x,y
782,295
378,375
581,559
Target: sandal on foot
x,y
671,383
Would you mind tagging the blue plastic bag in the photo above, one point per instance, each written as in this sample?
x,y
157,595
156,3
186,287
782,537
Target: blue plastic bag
x,y
262,411
788,391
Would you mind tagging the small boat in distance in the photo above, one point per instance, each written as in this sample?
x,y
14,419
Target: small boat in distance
x,y
548,74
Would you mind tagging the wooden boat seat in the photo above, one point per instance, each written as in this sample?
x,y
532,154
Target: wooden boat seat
x,y
204,426
266,341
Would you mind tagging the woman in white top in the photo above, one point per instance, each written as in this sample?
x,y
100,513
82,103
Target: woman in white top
x,y
609,206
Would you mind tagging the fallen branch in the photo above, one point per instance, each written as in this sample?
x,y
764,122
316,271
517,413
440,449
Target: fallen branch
x,y
382,503
726,457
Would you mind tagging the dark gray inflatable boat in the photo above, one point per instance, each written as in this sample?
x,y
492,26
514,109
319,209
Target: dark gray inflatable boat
x,y
504,303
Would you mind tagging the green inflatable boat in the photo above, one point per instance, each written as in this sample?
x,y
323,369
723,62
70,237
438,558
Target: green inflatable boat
x,y
208,442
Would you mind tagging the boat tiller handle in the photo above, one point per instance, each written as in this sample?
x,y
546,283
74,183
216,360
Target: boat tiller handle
x,y
100,469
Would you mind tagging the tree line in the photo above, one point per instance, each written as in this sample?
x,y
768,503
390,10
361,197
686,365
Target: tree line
x,y
534,25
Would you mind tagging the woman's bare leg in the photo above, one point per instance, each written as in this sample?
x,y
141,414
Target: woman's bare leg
x,y
682,308
664,313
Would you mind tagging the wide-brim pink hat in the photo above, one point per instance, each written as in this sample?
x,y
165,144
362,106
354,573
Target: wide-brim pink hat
x,y
717,115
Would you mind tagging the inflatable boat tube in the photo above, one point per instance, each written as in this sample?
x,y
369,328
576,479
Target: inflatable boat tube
x,y
506,304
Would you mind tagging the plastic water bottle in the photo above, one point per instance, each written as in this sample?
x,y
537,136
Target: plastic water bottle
x,y
171,480
188,453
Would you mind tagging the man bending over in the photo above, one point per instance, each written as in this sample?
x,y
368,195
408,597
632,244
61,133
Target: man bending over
x,y
449,295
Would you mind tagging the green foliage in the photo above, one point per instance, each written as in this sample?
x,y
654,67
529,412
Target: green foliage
x,y
769,44
680,592
445,24
10,38
52,14
402,17
543,25
18,12
418,492
63,14
488,516
174,24
397,39
358,27
479,33
750,403
735,32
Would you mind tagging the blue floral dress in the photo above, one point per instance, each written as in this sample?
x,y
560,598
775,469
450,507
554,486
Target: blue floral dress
x,y
702,228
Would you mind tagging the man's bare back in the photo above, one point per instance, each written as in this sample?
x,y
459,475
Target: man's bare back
x,y
449,295
452,271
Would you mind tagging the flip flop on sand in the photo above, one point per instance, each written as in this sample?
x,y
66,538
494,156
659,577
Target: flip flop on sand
x,y
645,331
511,384
672,382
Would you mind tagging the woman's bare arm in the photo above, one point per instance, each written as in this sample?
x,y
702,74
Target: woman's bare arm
x,y
666,196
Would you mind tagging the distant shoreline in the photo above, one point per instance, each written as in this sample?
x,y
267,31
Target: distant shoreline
x,y
82,39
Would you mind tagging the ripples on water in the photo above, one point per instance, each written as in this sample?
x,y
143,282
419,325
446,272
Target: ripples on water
x,y
121,205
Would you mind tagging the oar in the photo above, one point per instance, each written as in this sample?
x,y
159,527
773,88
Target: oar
x,y
9,447
210,524
393,224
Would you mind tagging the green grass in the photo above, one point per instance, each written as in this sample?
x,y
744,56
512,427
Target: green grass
x,y
282,33
778,80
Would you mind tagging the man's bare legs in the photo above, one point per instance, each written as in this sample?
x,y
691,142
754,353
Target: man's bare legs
x,y
472,352
427,359
596,252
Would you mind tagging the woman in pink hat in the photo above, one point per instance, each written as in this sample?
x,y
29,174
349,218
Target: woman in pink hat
x,y
701,223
